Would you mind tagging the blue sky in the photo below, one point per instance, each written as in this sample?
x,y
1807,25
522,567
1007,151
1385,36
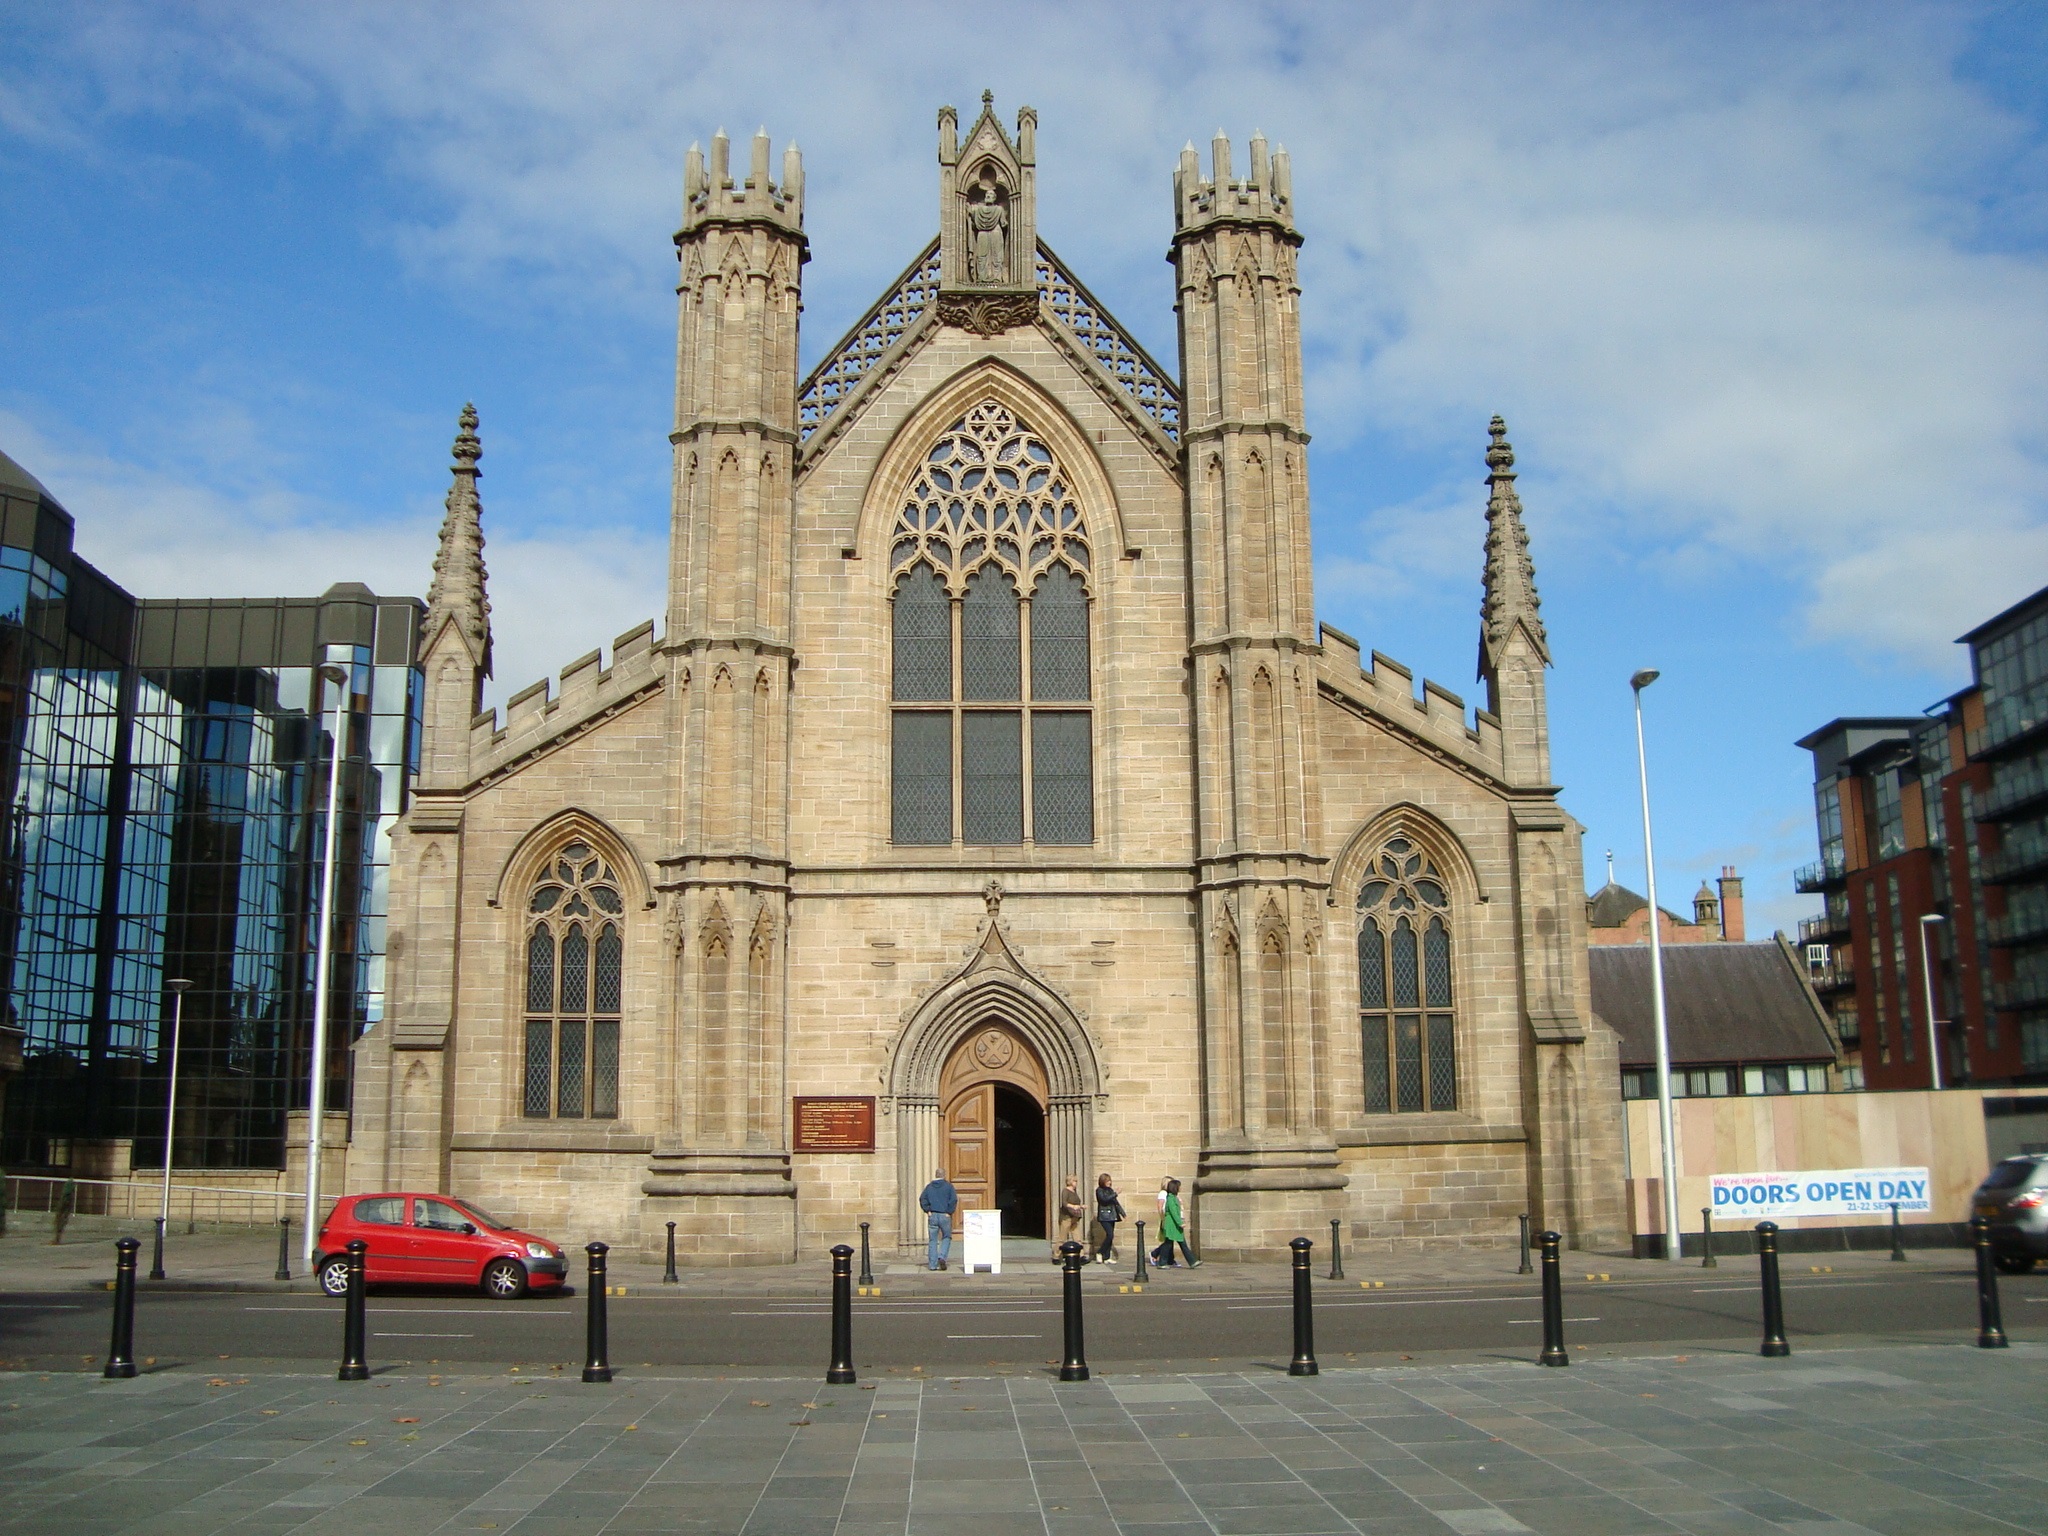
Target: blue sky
x,y
1762,291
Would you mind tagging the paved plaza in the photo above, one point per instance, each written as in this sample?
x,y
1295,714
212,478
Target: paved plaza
x,y
1937,1439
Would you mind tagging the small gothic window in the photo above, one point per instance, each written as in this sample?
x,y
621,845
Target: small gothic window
x,y
575,957
1406,1013
991,527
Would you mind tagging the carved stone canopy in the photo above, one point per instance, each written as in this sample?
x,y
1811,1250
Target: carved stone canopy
x,y
988,229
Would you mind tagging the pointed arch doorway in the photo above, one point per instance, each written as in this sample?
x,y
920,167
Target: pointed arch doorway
x,y
993,1095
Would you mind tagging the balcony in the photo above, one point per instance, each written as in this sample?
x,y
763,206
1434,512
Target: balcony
x,y
1831,978
2018,860
2023,923
2011,721
2015,792
2028,987
1824,874
1828,928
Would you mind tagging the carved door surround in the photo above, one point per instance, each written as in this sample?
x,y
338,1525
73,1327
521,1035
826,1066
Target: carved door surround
x,y
957,1037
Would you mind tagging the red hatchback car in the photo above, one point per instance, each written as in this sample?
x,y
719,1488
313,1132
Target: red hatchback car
x,y
433,1240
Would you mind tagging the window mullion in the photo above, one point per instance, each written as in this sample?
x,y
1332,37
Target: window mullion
x,y
1024,711
959,724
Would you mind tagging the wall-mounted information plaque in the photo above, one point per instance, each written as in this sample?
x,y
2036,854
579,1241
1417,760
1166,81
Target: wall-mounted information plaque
x,y
833,1124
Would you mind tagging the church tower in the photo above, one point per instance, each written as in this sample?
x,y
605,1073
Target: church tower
x,y
1268,1160
725,881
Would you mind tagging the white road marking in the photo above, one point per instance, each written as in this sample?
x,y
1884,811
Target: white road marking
x,y
995,1335
30,1306
436,1311
425,1335
1454,1301
1533,1321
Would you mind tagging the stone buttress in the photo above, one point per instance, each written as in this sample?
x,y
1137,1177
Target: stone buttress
x,y
721,1167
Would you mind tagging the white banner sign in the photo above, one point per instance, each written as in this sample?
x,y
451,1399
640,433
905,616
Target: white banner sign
x,y
982,1245
1829,1192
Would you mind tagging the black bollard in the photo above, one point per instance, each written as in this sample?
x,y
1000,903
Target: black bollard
x,y
284,1249
121,1350
840,1372
1553,1305
1075,1366
1525,1269
1336,1253
353,1326
668,1275
1898,1237
1990,1326
1304,1361
156,1258
1707,1238
1775,1346
1138,1274
867,1267
597,1365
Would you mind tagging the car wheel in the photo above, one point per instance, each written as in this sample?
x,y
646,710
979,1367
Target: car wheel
x,y
333,1276
504,1279
2013,1263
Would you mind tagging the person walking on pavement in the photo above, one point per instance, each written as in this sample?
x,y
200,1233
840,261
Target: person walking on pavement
x,y
938,1202
1109,1210
1072,1214
1173,1232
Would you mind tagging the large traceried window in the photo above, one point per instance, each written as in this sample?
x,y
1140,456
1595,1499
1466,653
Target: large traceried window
x,y
575,952
1406,1014
992,733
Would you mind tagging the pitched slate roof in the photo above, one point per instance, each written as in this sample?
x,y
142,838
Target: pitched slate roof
x,y
1726,1003
1613,905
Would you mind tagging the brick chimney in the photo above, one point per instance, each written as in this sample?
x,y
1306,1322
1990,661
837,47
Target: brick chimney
x,y
1731,904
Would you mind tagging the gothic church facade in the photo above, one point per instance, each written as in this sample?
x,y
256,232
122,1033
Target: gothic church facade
x,y
991,784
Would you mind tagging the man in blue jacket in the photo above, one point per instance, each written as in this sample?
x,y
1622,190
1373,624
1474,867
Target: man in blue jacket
x,y
938,1202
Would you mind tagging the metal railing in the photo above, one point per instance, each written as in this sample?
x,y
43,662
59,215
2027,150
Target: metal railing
x,y
1828,928
1831,977
2008,719
2018,857
195,1205
1818,876
2015,786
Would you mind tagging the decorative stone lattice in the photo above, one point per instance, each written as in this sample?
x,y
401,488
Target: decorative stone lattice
x,y
1072,305
991,490
837,376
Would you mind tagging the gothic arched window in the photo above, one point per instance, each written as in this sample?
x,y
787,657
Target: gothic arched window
x,y
1406,1018
991,731
575,954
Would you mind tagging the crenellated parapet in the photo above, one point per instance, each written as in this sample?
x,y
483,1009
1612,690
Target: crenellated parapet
x,y
540,716
712,196
1378,686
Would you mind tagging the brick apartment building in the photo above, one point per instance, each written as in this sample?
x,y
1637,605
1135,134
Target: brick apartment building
x,y
1934,864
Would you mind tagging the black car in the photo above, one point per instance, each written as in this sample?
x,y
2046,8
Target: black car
x,y
2014,1198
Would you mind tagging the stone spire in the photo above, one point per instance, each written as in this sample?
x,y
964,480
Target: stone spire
x,y
1510,600
457,594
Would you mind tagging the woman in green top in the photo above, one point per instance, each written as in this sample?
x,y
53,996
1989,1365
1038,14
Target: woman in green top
x,y
1173,1232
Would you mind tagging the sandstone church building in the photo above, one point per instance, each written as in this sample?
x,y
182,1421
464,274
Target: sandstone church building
x,y
990,798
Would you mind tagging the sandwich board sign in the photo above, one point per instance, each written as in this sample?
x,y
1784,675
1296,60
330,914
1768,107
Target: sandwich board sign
x,y
981,1249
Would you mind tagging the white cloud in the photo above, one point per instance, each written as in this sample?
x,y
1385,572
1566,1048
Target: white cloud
x,y
1761,282
160,532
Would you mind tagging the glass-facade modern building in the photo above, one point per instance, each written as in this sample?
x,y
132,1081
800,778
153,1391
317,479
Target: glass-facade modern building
x,y
165,768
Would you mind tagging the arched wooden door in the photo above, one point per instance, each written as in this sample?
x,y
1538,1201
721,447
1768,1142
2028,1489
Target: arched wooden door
x,y
993,1095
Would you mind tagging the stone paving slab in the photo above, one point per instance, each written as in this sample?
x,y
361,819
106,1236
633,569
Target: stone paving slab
x,y
1855,1442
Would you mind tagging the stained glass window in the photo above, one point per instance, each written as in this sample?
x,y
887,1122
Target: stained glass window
x,y
991,523
571,1062
1406,1001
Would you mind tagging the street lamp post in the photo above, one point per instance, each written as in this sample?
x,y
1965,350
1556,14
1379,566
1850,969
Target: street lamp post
x,y
177,989
1638,683
1927,985
316,1098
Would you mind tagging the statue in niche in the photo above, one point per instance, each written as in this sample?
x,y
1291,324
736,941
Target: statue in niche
x,y
988,255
